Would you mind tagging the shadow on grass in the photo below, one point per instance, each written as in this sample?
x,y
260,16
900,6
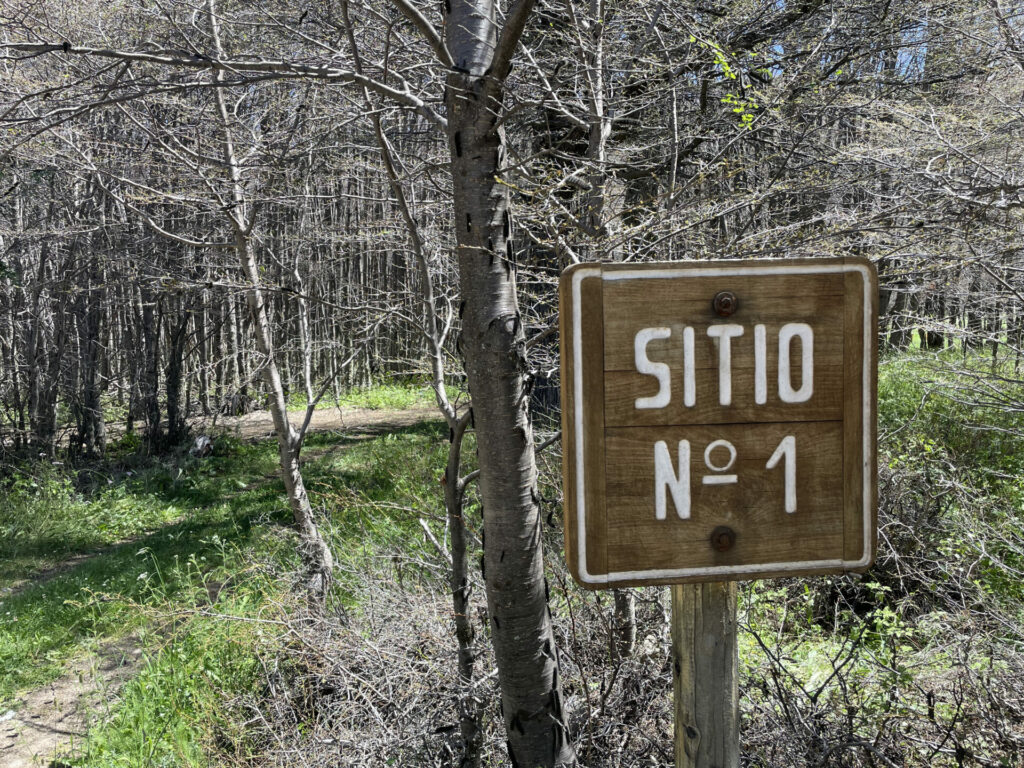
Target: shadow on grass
x,y
224,501
119,501
387,464
102,595
218,502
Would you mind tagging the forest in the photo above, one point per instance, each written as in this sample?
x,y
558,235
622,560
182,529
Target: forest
x,y
280,448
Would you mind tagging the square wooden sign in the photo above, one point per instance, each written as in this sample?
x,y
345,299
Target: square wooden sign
x,y
718,419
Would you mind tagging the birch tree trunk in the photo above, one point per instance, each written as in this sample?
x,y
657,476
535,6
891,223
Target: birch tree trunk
x,y
493,346
150,318
92,318
316,555
177,336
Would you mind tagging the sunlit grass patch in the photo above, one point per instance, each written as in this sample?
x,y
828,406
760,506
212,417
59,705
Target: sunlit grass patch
x,y
199,595
394,396
176,515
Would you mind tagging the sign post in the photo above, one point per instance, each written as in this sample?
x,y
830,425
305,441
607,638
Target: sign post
x,y
705,675
718,424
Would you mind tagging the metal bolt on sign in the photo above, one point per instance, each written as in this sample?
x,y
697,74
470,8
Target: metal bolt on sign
x,y
724,303
723,538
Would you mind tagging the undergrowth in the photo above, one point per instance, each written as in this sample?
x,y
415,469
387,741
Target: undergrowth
x,y
383,396
199,595
917,662
914,662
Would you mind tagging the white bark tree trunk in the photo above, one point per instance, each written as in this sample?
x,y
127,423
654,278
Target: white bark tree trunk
x,y
315,553
493,346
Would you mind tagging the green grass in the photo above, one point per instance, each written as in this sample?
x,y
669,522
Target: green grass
x,y
953,471
205,535
212,536
934,429
386,396
376,491
215,501
172,713
45,520
391,395
925,400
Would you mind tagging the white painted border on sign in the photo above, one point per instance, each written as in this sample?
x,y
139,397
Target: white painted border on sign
x,y
727,570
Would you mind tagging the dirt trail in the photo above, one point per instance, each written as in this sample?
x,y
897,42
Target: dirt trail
x,y
45,723
260,424
48,720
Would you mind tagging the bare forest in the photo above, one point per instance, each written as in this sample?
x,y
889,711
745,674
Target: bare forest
x,y
220,211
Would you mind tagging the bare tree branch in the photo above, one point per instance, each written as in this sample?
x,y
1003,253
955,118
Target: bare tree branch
x,y
273,67
426,29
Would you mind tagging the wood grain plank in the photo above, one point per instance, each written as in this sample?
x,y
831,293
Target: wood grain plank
x,y
860,461
620,333
678,302
853,429
590,410
569,406
623,387
622,536
871,457
705,677
753,507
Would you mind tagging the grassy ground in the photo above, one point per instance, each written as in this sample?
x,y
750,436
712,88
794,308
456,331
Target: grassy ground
x,y
201,505
208,541
913,658
387,396
202,583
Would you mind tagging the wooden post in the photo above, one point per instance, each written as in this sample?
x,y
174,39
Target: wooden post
x,y
705,675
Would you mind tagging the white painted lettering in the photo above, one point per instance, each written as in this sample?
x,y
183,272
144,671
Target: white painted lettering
x,y
787,449
724,334
803,332
689,373
659,370
677,482
760,365
719,479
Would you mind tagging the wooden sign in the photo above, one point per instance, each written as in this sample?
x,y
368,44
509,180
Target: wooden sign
x,y
718,419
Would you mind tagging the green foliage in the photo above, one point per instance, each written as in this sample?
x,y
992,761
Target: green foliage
x,y
920,402
44,624
205,537
45,519
384,396
973,453
172,711
888,637
742,103
132,526
127,444
377,490
744,108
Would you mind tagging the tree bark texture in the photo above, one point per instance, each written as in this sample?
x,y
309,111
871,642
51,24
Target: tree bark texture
x,y
151,316
316,555
471,706
493,346
623,624
177,333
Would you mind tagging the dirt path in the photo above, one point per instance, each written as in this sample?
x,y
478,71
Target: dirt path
x,y
257,425
46,722
49,719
